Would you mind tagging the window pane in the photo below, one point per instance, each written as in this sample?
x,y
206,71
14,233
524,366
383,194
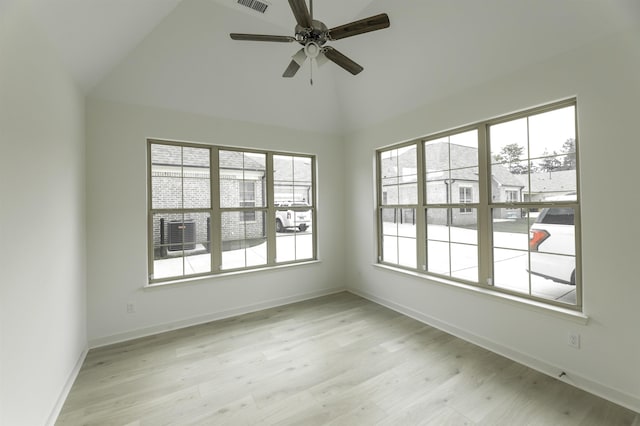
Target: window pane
x,y
465,177
438,187
438,260
436,155
407,252
464,227
181,244
389,249
452,239
166,176
302,173
510,270
242,179
294,235
197,188
535,255
510,228
407,164
451,162
390,219
550,131
464,261
509,141
292,179
196,157
243,243
166,187
179,177
399,236
166,155
464,149
507,186
390,193
399,176
408,193
535,155
554,179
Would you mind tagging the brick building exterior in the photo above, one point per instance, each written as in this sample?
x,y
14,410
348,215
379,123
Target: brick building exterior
x,y
180,178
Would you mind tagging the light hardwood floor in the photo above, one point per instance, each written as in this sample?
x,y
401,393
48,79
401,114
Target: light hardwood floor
x,y
336,360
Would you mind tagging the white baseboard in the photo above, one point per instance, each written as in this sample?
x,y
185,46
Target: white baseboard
x,y
616,396
175,325
57,408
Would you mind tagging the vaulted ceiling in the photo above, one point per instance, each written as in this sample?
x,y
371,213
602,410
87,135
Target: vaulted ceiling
x,y
177,54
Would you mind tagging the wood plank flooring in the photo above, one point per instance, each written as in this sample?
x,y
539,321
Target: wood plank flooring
x,y
336,360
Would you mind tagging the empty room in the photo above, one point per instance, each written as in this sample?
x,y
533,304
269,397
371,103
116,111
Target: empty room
x,y
270,212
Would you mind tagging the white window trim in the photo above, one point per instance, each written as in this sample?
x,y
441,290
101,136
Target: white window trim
x,y
215,212
485,206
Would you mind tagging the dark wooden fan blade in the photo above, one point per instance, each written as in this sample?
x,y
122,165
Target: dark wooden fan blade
x,y
366,25
262,37
291,70
339,59
301,13
296,62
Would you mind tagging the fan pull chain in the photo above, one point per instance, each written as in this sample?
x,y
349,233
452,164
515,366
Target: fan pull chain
x,y
311,68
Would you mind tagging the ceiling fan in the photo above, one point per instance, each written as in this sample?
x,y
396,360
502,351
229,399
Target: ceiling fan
x,y
313,36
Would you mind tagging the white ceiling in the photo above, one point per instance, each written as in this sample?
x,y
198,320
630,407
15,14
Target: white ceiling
x,y
177,54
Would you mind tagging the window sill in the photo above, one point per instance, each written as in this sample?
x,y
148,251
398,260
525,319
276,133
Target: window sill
x,y
533,305
198,279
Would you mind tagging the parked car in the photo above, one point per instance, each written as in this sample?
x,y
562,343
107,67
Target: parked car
x,y
292,219
552,244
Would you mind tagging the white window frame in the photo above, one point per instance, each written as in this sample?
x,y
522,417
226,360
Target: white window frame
x,y
215,211
484,205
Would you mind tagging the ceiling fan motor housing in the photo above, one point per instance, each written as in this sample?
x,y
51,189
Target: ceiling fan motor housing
x,y
318,34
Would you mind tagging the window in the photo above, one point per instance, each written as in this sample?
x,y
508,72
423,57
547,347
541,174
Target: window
x,y
209,208
248,199
497,205
465,198
398,213
293,190
511,196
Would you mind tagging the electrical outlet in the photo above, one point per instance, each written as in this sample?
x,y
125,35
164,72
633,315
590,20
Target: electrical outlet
x,y
131,308
573,340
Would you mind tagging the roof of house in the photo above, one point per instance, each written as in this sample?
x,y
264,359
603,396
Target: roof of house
x,y
504,177
462,160
557,181
237,160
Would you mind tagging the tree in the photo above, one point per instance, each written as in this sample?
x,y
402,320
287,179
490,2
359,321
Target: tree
x,y
511,154
550,162
569,160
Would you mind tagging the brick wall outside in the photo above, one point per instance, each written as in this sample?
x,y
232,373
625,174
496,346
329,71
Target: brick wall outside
x,y
181,175
167,190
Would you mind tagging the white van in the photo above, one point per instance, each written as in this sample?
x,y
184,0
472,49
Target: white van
x,y
552,243
292,219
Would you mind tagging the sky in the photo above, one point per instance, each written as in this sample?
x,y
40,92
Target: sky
x,y
535,134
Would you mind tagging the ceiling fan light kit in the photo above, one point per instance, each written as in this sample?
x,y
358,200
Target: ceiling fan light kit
x,y
313,35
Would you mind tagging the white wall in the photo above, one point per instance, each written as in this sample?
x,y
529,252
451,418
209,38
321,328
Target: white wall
x,y
605,76
42,232
117,223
